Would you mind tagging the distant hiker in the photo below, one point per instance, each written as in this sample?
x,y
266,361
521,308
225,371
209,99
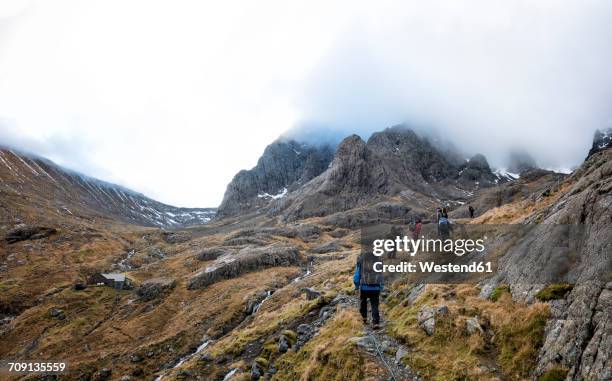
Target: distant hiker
x,y
444,227
369,284
444,213
471,209
438,214
416,230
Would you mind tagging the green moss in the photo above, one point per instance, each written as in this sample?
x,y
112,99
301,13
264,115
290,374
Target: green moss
x,y
554,291
498,292
555,374
262,362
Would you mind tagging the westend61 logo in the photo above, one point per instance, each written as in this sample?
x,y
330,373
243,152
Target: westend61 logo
x,y
412,246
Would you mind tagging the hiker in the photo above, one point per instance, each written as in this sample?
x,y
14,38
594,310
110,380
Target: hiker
x,y
444,213
416,230
444,227
471,209
438,214
369,284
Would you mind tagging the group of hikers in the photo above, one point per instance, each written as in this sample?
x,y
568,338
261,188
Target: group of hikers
x,y
369,284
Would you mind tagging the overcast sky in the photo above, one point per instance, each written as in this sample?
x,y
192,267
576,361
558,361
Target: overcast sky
x,y
172,98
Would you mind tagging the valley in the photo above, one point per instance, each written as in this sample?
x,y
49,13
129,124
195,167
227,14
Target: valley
x,y
262,287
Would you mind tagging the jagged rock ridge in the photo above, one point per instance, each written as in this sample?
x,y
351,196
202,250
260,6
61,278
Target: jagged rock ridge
x,y
284,166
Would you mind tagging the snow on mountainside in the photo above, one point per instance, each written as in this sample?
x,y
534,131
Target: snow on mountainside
x,y
74,193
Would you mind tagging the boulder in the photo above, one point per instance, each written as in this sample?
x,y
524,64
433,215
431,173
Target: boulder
x,y
426,318
154,288
472,326
311,293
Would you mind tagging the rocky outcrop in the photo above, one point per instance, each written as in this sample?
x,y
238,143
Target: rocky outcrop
x,y
155,288
601,141
284,166
248,259
27,232
477,172
577,336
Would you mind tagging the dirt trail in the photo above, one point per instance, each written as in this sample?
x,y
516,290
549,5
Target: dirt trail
x,y
386,350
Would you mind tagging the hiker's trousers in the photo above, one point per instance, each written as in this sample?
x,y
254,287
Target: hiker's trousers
x,y
373,297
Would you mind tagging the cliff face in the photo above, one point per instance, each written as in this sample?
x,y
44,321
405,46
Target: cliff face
x,y
284,166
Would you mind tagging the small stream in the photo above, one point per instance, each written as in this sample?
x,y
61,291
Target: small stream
x,y
185,358
230,374
269,293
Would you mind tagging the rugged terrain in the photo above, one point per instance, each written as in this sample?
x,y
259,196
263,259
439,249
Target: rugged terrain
x,y
265,289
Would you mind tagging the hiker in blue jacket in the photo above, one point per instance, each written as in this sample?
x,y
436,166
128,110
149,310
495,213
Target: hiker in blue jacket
x,y
369,284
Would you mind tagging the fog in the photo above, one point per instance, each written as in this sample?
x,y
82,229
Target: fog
x,y
173,98
490,78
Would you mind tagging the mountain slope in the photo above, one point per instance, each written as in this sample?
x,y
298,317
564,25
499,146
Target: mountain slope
x,y
36,184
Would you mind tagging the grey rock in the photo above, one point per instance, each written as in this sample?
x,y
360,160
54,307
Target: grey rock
x,y
472,326
28,232
327,248
426,318
176,237
210,254
246,260
311,293
283,344
155,288
400,354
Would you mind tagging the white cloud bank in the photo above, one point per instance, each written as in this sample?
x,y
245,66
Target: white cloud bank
x,y
172,98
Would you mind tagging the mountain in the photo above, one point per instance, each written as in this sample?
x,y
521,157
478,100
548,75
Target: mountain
x,y
601,141
284,166
393,162
38,184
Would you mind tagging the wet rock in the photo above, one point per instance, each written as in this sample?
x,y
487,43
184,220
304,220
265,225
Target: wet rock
x,y
472,326
135,358
28,232
246,260
258,368
155,288
426,318
254,301
311,293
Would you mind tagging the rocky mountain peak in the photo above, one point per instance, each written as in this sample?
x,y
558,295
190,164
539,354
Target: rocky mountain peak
x,y
602,140
284,165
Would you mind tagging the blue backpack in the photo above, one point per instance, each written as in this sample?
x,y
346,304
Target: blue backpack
x,y
443,221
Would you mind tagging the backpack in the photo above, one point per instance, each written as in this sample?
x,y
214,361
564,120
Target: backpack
x,y
443,221
368,275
